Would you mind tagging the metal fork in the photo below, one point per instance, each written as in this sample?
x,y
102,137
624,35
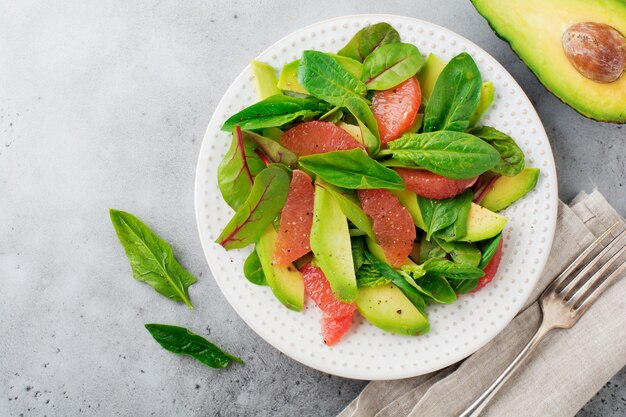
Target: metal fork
x,y
565,300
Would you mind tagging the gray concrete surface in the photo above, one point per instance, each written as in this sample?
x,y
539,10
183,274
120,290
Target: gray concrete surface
x,y
104,104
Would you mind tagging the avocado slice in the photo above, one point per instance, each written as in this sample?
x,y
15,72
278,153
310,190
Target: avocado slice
x,y
388,308
265,79
330,242
428,74
351,207
483,224
288,76
285,281
485,100
535,29
506,190
409,200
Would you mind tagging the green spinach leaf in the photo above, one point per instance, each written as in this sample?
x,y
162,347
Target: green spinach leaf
x,y
455,96
367,123
267,197
236,172
511,156
276,111
390,65
436,288
252,269
456,155
458,229
368,276
325,79
461,252
368,39
151,258
451,269
463,286
351,169
183,342
358,252
439,214
489,248
430,249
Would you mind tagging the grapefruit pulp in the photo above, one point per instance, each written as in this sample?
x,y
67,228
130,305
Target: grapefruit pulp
x,y
395,109
430,185
318,137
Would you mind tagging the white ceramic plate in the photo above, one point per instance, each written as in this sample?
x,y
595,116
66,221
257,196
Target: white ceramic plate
x,y
457,330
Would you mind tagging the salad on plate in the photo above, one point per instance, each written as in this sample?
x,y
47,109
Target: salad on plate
x,y
366,181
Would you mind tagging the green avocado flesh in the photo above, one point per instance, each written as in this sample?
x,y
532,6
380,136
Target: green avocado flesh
x,y
428,74
483,224
387,308
285,281
534,29
409,200
265,79
330,243
507,190
288,80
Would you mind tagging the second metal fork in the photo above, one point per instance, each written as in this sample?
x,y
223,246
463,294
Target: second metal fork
x,y
565,300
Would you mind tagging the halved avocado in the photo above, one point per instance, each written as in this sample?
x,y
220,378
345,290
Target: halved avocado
x,y
330,242
289,81
535,29
285,281
483,224
388,308
507,190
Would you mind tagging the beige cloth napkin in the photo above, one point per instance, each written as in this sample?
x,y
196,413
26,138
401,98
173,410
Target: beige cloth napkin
x,y
563,373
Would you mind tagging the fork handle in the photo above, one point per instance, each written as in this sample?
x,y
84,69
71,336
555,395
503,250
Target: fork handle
x,y
481,403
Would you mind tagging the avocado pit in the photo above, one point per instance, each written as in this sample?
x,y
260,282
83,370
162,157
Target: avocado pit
x,y
596,50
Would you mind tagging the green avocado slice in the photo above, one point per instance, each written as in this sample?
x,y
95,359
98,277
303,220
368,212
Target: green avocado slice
x,y
507,190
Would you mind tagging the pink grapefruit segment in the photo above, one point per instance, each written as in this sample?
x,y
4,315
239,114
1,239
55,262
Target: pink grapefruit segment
x,y
391,222
318,137
294,233
395,109
317,287
430,185
333,328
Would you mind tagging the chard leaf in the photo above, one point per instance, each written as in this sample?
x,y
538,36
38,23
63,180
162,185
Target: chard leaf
x,y
511,156
455,96
276,111
183,342
266,199
236,172
390,65
351,169
368,39
325,79
367,123
151,258
456,155
439,214
272,150
252,269
452,270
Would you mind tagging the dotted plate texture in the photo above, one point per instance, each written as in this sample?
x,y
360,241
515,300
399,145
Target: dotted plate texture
x,y
458,329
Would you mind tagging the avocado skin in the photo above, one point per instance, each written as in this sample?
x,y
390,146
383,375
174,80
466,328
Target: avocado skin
x,y
619,119
507,190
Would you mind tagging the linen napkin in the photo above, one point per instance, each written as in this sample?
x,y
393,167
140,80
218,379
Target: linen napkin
x,y
561,375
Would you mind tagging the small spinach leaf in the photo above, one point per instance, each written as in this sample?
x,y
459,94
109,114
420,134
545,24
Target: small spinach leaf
x,y
463,286
489,248
461,252
456,155
151,258
368,276
439,214
458,229
455,96
358,252
183,342
267,197
436,288
325,79
368,39
276,111
390,65
451,269
252,269
351,169
430,249
511,156
367,123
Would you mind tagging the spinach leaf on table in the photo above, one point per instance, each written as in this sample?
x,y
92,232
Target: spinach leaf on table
x,y
151,258
236,172
276,111
351,169
390,65
183,342
325,79
267,197
456,155
439,214
511,156
253,270
368,39
455,96
367,123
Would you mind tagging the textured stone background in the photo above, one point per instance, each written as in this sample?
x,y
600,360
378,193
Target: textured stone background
x,y
104,104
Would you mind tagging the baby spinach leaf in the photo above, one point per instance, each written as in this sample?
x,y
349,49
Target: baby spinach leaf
x,y
334,115
455,96
456,155
351,169
511,156
252,269
430,249
458,229
151,258
461,252
236,172
439,214
451,269
368,39
368,276
267,197
463,286
436,288
351,208
183,342
489,248
367,123
272,150
358,252
390,65
276,111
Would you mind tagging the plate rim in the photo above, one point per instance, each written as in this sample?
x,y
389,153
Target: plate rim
x,y
495,330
